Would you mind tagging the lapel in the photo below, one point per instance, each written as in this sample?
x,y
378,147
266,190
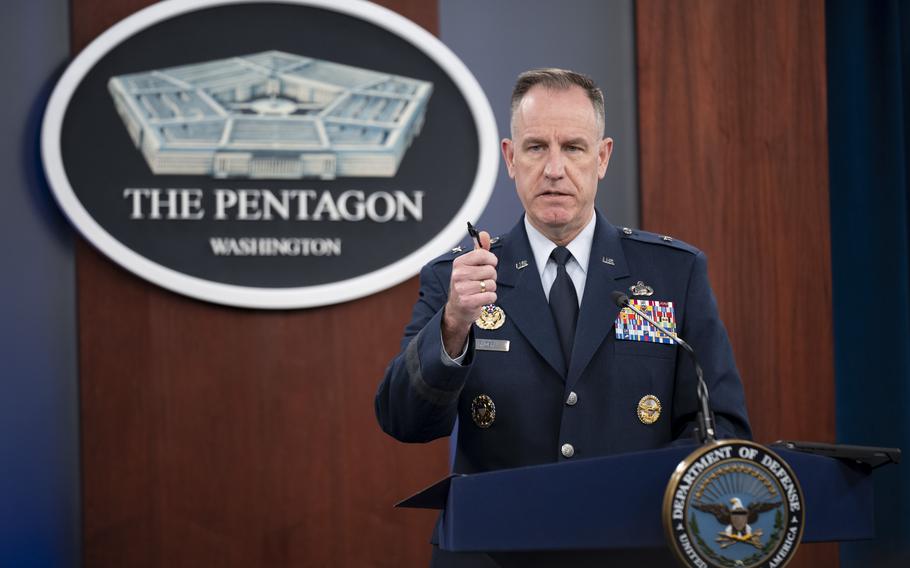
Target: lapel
x,y
598,312
520,295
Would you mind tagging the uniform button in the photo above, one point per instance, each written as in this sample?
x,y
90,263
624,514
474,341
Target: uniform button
x,y
567,450
573,398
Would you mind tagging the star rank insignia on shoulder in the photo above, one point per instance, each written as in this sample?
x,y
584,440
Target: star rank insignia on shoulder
x,y
657,239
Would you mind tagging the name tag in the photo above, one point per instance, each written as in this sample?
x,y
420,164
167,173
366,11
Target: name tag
x,y
491,345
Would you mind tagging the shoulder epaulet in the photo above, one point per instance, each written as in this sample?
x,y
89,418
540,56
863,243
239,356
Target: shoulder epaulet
x,y
495,243
655,239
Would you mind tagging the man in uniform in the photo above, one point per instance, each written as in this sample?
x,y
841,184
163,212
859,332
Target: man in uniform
x,y
516,339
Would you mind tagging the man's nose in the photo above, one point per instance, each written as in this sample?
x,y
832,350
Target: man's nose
x,y
555,166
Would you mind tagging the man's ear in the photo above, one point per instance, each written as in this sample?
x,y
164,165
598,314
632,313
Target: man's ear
x,y
508,154
604,151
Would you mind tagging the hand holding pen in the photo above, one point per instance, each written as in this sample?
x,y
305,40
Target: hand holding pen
x,y
476,236
472,286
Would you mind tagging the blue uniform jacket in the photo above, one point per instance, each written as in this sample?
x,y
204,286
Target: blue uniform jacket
x,y
420,397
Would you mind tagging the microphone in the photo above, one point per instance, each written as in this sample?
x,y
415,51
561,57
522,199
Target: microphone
x,y
705,419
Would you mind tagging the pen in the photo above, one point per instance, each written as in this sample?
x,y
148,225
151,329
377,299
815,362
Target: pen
x,y
474,234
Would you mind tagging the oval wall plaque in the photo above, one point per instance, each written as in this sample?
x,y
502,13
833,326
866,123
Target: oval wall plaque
x,y
282,154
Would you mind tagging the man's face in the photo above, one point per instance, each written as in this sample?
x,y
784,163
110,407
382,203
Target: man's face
x,y
556,157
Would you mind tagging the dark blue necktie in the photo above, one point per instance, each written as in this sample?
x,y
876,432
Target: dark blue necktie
x,y
564,302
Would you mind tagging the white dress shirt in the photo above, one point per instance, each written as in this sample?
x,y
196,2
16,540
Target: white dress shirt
x,y
577,267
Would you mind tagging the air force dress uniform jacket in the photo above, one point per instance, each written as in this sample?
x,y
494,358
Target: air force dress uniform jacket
x,y
546,410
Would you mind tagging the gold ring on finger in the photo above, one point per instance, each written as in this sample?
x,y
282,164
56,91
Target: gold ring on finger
x,y
483,286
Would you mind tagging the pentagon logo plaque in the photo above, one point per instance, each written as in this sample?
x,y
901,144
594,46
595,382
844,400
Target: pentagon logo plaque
x,y
269,154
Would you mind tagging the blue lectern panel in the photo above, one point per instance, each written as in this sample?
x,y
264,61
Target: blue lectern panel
x,y
616,502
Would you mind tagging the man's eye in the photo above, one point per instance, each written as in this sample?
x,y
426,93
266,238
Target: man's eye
x,y
535,148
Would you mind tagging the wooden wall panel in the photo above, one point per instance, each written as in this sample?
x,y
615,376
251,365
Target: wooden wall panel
x,y
214,436
733,138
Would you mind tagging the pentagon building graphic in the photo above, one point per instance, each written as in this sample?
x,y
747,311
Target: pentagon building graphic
x,y
271,115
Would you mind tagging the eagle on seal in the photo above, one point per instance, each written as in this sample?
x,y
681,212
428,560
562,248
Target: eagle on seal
x,y
737,517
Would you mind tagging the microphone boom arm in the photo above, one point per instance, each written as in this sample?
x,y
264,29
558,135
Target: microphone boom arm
x,y
706,431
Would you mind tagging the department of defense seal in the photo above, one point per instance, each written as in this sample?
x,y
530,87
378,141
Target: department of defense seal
x,y
649,409
733,503
491,317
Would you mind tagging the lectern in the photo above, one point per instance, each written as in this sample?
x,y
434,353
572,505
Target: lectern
x,y
614,504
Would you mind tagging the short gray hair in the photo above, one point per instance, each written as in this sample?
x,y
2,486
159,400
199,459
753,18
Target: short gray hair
x,y
559,80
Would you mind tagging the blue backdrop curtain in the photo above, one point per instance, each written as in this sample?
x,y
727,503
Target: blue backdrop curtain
x,y
868,46
40,511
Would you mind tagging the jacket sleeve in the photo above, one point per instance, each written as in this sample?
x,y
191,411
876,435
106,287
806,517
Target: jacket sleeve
x,y
417,400
704,330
